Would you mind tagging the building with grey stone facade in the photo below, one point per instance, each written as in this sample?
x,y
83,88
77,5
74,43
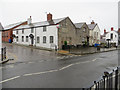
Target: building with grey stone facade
x,y
82,34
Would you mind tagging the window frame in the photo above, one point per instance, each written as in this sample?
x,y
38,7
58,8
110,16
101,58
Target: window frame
x,y
27,38
38,39
32,30
22,31
44,29
44,39
52,39
22,38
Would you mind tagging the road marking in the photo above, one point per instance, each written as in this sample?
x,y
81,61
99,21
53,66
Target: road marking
x,y
11,66
9,79
31,62
40,61
38,73
66,67
94,59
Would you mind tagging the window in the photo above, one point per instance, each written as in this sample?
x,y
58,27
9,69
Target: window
x,y
7,34
38,39
32,30
26,38
44,29
84,29
17,38
22,31
111,36
17,32
22,38
51,39
44,39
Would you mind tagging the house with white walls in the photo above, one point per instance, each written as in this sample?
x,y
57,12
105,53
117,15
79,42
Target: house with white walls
x,y
1,28
112,36
94,33
52,33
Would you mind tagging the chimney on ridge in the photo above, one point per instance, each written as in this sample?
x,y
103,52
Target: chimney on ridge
x,y
104,31
49,17
92,22
29,20
112,29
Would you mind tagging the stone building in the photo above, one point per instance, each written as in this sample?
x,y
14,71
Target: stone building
x,y
82,34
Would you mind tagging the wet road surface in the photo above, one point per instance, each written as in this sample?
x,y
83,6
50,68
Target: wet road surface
x,y
34,68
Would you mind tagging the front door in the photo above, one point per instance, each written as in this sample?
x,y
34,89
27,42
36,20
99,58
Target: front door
x,y
32,41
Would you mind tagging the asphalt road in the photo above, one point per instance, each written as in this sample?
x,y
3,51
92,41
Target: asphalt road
x,y
34,68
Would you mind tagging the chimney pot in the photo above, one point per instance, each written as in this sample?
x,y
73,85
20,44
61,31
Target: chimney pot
x,y
49,17
92,22
29,20
104,31
112,29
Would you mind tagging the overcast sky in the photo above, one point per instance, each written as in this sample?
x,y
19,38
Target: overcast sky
x,y
103,12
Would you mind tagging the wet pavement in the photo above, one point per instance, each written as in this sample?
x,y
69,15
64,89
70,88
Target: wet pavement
x,y
32,68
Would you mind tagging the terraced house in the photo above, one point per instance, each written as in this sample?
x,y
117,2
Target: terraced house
x,y
82,34
8,31
94,33
52,33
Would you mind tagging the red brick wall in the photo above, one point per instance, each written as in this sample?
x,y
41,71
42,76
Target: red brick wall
x,y
6,35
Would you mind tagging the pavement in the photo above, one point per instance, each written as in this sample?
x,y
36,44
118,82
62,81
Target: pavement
x,y
85,50
32,68
4,61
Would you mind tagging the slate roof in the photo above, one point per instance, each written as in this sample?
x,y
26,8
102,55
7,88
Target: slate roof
x,y
1,27
91,26
79,25
43,23
12,25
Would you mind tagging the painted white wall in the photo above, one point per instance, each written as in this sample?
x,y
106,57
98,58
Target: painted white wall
x,y
0,41
95,37
115,37
38,32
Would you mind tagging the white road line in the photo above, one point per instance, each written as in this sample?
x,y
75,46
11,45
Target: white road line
x,y
66,67
11,66
31,62
9,79
94,59
38,73
40,61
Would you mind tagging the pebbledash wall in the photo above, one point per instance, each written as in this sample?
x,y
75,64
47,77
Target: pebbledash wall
x,y
51,30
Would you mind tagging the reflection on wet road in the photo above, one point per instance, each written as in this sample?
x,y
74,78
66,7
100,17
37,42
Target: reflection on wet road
x,y
34,68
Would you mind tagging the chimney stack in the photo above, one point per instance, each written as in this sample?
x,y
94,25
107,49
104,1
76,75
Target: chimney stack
x,y
104,31
112,29
119,30
29,20
49,17
92,22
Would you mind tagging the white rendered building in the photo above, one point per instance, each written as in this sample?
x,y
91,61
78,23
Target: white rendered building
x,y
94,33
113,36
